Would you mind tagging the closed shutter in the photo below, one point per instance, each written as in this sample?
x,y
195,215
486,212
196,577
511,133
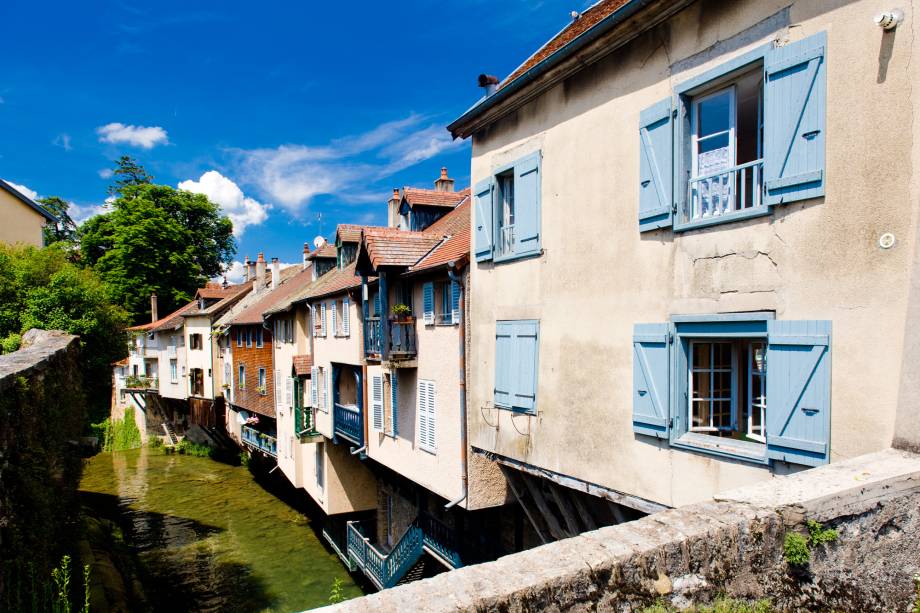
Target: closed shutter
x,y
346,317
431,396
335,326
504,354
377,304
527,205
482,209
455,302
278,392
314,382
322,319
656,140
794,121
394,403
313,320
651,379
377,403
327,393
799,391
289,392
526,352
422,410
428,303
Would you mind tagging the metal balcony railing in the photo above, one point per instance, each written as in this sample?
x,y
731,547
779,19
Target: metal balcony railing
x,y
506,239
260,440
348,422
722,193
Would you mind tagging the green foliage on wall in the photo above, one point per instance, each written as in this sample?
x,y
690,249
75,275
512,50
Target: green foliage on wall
x,y
121,434
721,604
797,547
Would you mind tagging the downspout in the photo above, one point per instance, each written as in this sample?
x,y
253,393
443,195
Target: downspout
x,y
464,478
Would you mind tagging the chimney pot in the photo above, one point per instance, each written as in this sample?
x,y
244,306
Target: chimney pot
x,y
489,82
306,252
444,183
153,307
260,271
246,269
276,272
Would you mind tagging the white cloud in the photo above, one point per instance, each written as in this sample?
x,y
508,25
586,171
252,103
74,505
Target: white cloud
x,y
242,210
295,174
25,191
146,137
80,213
63,141
105,173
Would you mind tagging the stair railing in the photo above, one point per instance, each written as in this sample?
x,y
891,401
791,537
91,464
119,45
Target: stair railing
x,y
385,570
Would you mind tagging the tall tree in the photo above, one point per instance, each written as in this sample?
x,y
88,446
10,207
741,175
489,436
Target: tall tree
x,y
66,229
156,239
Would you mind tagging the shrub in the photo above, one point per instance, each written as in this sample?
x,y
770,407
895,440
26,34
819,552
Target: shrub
x,y
122,434
11,343
818,534
795,549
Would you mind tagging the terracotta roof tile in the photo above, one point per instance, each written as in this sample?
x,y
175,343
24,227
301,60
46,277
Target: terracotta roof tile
x,y
326,251
303,364
588,19
454,221
394,247
170,322
430,197
456,225
333,282
293,278
348,233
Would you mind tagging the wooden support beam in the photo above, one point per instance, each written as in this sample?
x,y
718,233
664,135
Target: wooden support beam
x,y
565,508
520,499
583,511
551,522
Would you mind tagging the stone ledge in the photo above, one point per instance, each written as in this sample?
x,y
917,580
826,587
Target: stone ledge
x,y
38,347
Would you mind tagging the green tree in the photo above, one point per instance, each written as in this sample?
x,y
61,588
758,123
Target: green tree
x,y
40,288
65,230
156,239
128,172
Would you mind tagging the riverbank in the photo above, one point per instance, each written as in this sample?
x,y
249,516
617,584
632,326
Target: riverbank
x,y
208,536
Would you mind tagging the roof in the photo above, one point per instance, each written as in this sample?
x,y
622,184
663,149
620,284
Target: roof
x,y
170,322
326,251
348,233
335,281
303,364
431,197
27,201
453,222
395,247
455,247
226,298
252,313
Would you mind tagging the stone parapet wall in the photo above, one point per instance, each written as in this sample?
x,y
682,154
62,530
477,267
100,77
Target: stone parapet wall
x,y
731,545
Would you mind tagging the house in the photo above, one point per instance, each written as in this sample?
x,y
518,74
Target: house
x,y
678,278
24,220
414,208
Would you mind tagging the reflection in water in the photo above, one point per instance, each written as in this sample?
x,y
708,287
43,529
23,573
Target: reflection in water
x,y
209,537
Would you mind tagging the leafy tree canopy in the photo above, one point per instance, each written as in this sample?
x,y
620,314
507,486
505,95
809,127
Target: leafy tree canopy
x,y
155,239
65,230
128,172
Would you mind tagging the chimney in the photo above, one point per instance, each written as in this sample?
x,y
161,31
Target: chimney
x,y
153,307
276,273
444,183
489,83
260,270
246,269
306,252
393,209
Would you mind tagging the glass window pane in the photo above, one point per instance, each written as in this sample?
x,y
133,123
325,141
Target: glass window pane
x,y
722,413
713,143
701,355
701,385
700,413
722,385
713,113
723,355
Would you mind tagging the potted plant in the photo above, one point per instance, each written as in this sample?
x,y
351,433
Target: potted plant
x,y
402,312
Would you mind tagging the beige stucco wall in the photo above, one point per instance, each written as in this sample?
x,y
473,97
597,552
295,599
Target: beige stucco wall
x,y
599,276
200,358
283,363
178,388
341,350
21,223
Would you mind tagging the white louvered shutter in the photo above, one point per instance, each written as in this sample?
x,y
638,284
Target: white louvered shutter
x,y
346,319
325,403
289,392
314,381
432,421
278,397
422,414
377,403
322,319
313,318
335,323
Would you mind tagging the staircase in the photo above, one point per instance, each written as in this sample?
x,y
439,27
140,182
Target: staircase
x,y
170,433
405,562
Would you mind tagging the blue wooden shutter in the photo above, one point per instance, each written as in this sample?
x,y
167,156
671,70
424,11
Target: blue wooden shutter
x,y
651,379
526,352
482,210
346,317
394,403
428,302
656,151
377,304
794,121
454,302
504,355
527,205
799,391
377,403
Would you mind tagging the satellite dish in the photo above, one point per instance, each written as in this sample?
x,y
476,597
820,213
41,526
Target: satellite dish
x,y
319,241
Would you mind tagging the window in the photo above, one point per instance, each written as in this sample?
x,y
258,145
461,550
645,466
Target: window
x,y
748,386
736,140
262,388
259,337
441,302
507,212
319,458
240,336
242,377
318,388
427,416
249,337
174,371
516,354
195,341
284,331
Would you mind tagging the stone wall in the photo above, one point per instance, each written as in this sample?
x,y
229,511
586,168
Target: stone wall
x,y
42,415
732,544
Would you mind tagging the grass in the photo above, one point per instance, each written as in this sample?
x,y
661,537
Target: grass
x,y
722,604
186,447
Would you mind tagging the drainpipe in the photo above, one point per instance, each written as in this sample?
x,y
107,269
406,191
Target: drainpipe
x,y
452,272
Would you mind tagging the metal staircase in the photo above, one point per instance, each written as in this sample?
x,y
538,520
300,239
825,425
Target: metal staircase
x,y
170,433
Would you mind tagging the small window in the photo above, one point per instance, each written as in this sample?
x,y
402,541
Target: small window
x,y
262,388
195,341
516,353
248,333
505,185
240,336
259,337
320,466
242,377
174,371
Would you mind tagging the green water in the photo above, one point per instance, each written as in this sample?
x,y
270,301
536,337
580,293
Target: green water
x,y
209,538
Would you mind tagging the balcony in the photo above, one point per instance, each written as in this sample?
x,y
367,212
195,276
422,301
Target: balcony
x,y
373,338
260,441
506,240
141,383
733,192
304,422
402,345
348,423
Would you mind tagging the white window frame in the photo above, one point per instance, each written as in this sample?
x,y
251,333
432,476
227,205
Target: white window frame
x,y
761,404
692,400
695,140
174,370
427,434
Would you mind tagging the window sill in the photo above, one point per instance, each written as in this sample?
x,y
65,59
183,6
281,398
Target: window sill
x,y
427,450
343,335
759,211
516,410
729,448
510,257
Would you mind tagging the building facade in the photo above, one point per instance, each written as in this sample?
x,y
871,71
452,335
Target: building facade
x,y
24,220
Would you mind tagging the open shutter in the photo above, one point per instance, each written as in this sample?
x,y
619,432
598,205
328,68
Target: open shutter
x,y
422,414
335,324
527,205
799,391
377,403
322,319
651,379
314,395
278,391
428,302
526,352
313,320
326,393
656,151
289,392
346,317
794,109
482,210
454,302
504,355
394,402
430,396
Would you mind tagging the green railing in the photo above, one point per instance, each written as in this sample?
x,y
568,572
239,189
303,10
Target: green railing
x,y
260,440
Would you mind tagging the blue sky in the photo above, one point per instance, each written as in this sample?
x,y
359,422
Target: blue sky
x,y
280,111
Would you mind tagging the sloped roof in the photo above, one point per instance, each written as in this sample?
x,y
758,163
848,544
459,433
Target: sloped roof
x,y
348,233
170,322
27,201
431,197
252,313
455,247
453,222
333,282
226,298
303,364
395,247
326,251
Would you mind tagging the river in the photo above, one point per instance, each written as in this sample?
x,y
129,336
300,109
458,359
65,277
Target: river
x,y
210,538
